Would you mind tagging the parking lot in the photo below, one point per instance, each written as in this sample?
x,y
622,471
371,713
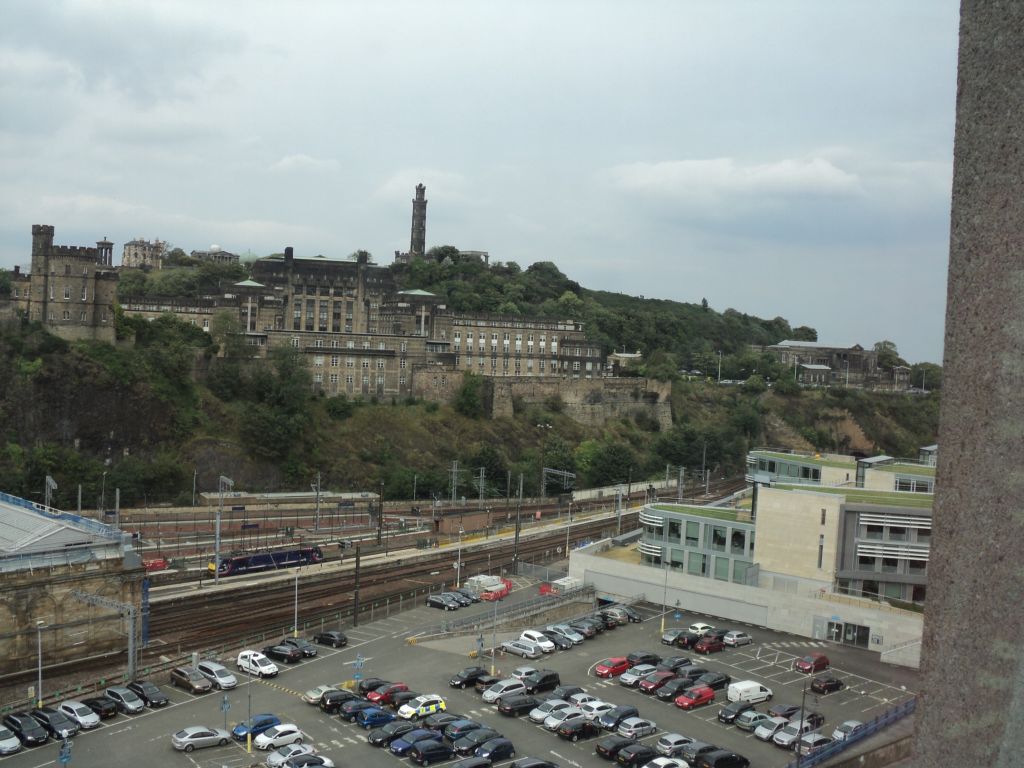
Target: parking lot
x,y
426,666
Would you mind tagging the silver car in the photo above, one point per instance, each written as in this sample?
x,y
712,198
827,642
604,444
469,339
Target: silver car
x,y
567,632
637,727
9,743
522,648
790,735
77,712
631,677
540,713
282,755
127,700
556,719
199,736
770,727
845,728
219,675
671,744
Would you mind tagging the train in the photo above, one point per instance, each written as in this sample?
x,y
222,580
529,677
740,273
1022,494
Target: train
x,y
245,562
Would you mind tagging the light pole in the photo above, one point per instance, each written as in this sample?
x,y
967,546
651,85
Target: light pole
x,y
103,494
494,634
40,624
316,487
719,366
803,715
664,594
567,527
458,561
543,451
295,626
248,730
223,484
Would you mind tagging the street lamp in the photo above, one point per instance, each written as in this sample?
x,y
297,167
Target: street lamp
x,y
719,366
248,734
103,494
458,562
40,624
295,626
664,594
223,484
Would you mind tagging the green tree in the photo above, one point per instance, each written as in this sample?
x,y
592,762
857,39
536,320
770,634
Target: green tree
x,y
441,252
804,333
888,356
469,400
5,282
926,376
613,463
754,385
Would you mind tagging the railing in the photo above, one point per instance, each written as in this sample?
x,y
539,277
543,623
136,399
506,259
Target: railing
x,y
513,612
85,523
869,728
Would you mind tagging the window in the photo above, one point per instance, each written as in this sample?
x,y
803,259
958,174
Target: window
x,y
318,378
380,365
692,534
717,538
83,318
722,568
674,530
206,325
350,362
318,360
821,547
401,381
334,378
67,315
889,564
335,361
85,293
873,532
67,292
366,381
366,364
295,343
897,534
380,345
737,541
696,564
893,591
865,563
318,343
403,347
916,567
349,380
401,363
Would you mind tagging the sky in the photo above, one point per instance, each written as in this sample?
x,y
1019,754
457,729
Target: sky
x,y
778,157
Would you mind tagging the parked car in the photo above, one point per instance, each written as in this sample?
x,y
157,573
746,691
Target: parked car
x,y
199,736
585,629
190,679
301,644
541,680
554,720
9,742
459,728
751,719
732,710
438,720
372,717
667,762
442,602
29,732
827,683
218,675
472,762
565,691
314,695
695,697
735,638
381,737
812,742
717,632
562,643
332,638
79,713
308,761
673,663
349,709
382,695
522,648
694,750
671,744
637,727
610,720
467,592
699,628
672,688
368,684
403,744
331,701
466,676
643,657
635,755
540,713
530,762
496,749
466,745
609,746
783,710
617,613
845,728
281,755
127,701
811,663
104,706
721,758
458,597
567,632
668,637
286,653
716,680
502,688
523,672
709,644
55,722
538,638
749,690
517,705
574,730
149,693
631,677
790,735
401,698
255,725
631,613
255,663
426,751
593,710
422,706
484,682
611,667
652,682
278,736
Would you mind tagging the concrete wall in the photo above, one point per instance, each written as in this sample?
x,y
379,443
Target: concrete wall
x,y
839,475
773,610
788,527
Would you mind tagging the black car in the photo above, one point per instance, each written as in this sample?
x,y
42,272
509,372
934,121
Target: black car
x,y
694,750
428,751
438,720
643,657
517,706
674,663
634,617
442,602
609,746
721,758
102,705
531,762
609,622
574,730
673,688
716,681
456,730
467,676
302,644
686,640
26,728
351,708
587,621
285,653
484,682
610,720
331,701
472,762
827,683
635,755
586,629
149,693
542,680
467,592
55,723
402,697
564,691
730,712
561,642
717,633
333,639
783,710
467,744
497,749
816,719
381,737
369,684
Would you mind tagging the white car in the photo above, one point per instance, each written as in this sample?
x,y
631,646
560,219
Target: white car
x,y
521,673
218,675
538,638
556,719
700,629
278,736
593,710
735,638
422,706
540,713
313,695
255,663
844,729
567,632
523,648
579,699
769,728
279,757
77,712
667,762
631,677
9,743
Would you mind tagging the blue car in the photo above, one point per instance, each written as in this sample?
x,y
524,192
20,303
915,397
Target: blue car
x,y
402,745
255,725
374,717
496,749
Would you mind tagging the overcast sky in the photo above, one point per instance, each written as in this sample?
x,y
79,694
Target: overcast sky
x,y
778,158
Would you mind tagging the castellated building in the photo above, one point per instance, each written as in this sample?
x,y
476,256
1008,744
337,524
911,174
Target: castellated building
x,y
71,290
141,254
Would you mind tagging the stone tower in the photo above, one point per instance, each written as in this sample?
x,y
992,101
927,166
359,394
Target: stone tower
x,y
417,243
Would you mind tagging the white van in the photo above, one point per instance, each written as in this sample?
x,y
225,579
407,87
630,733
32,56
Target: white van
x,y
255,663
538,638
750,691
503,688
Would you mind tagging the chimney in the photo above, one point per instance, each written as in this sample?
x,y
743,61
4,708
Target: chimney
x,y
288,255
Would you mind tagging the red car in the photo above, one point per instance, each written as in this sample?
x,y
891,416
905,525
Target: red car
x,y
383,694
709,645
612,667
655,680
812,662
695,697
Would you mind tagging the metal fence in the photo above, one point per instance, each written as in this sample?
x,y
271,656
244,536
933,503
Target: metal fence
x,y
869,728
541,572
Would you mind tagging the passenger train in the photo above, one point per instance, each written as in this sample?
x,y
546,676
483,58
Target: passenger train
x,y
240,562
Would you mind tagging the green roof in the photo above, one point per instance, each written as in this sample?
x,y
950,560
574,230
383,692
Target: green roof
x,y
716,513
861,496
908,469
806,458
